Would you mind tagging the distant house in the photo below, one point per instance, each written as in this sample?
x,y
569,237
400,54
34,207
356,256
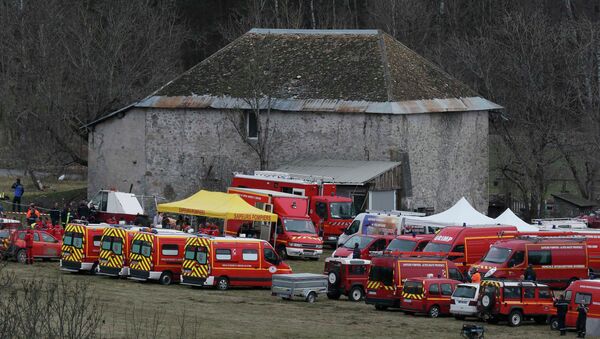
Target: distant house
x,y
569,205
273,97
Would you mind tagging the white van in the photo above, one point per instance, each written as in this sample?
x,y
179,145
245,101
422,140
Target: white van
x,y
378,223
463,302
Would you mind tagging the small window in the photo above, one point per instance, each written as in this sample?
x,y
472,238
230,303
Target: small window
x,y
251,125
517,259
270,256
446,289
223,254
106,243
545,294
455,274
170,250
512,292
249,255
585,298
357,270
420,246
540,258
378,245
434,289
117,246
48,238
22,235
353,228
459,248
36,236
568,295
321,210
97,240
529,292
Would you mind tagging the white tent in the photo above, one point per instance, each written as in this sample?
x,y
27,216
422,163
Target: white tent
x,y
508,217
461,213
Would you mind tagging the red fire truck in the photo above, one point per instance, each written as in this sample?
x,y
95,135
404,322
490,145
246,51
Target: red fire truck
x,y
329,212
294,234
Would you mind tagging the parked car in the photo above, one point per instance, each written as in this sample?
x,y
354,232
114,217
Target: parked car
x,y
12,245
515,301
405,244
463,302
369,245
347,277
427,295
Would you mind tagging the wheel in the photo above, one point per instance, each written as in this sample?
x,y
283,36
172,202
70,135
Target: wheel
x,y
333,278
166,278
381,307
222,283
282,253
22,256
540,319
434,311
554,324
333,294
356,293
459,317
515,318
311,297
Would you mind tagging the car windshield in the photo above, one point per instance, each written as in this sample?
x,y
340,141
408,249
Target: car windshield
x,y
413,287
401,245
299,226
437,247
362,242
341,210
497,255
465,292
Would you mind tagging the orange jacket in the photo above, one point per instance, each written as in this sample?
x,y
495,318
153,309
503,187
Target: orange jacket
x,y
476,278
31,212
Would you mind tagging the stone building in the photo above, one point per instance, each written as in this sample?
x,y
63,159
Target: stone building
x,y
276,96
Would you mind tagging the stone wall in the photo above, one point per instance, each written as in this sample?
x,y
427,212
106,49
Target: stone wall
x,y
185,150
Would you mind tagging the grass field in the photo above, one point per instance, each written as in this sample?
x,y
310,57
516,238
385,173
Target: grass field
x,y
181,311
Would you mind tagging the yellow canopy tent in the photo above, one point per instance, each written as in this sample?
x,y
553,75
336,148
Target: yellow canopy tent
x,y
217,205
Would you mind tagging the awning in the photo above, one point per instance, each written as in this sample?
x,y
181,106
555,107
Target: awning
x,y
217,205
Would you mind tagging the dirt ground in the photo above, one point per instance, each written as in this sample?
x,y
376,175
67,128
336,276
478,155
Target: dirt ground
x,y
249,313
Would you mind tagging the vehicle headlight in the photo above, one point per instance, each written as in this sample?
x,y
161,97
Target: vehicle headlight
x,y
318,246
294,244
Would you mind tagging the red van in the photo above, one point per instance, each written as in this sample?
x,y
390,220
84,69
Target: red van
x,y
404,244
427,295
369,245
346,277
556,261
81,247
580,291
387,275
225,262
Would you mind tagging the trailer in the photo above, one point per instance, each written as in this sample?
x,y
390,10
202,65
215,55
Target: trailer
x,y
300,285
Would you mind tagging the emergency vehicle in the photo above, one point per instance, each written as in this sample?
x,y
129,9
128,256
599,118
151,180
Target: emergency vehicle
x,y
427,295
294,234
388,273
112,206
380,223
329,212
404,244
225,262
157,256
12,245
81,247
515,301
369,245
114,249
9,223
346,277
580,291
555,261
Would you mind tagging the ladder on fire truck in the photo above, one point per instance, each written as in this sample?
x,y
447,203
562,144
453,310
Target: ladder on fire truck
x,y
317,179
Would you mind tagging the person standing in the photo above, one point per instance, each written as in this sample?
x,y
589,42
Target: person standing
x,y
476,277
529,273
29,246
356,252
582,311
157,222
33,215
561,311
18,190
55,215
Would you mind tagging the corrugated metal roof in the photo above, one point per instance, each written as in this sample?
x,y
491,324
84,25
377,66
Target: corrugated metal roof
x,y
314,31
350,172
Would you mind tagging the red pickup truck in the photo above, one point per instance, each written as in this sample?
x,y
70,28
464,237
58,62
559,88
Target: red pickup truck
x,y
12,245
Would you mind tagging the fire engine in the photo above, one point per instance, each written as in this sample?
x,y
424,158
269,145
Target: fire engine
x,y
329,212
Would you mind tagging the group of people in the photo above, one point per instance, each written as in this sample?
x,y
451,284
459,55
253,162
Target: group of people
x,y
184,224
562,307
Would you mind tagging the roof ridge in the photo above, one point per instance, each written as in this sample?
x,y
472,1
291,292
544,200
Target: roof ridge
x,y
386,66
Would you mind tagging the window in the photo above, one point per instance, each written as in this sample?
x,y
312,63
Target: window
x,y
568,295
270,256
378,245
585,298
117,246
413,287
249,255
353,228
528,292
540,257
78,240
251,125
465,292
401,245
446,289
223,254
97,239
459,248
22,235
36,236
141,247
517,259
455,274
146,249
357,270
321,210
545,294
48,238
512,292
106,243
170,249
198,254
497,255
384,275
434,289
421,245
67,238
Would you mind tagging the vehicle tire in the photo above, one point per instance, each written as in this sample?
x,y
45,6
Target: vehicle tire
x,y
281,251
21,256
333,294
311,297
540,319
459,317
222,283
166,278
356,293
434,311
381,307
333,278
554,324
487,301
515,318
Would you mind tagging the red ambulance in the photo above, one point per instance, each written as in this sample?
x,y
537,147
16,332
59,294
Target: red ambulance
x,y
580,291
81,247
329,212
225,262
293,235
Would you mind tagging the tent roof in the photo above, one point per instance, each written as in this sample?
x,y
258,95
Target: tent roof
x,y
461,213
217,205
508,217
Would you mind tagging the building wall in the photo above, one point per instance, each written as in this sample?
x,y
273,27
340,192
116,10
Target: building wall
x,y
186,150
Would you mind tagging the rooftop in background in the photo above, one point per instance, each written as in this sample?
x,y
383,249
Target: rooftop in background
x,y
574,200
349,172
